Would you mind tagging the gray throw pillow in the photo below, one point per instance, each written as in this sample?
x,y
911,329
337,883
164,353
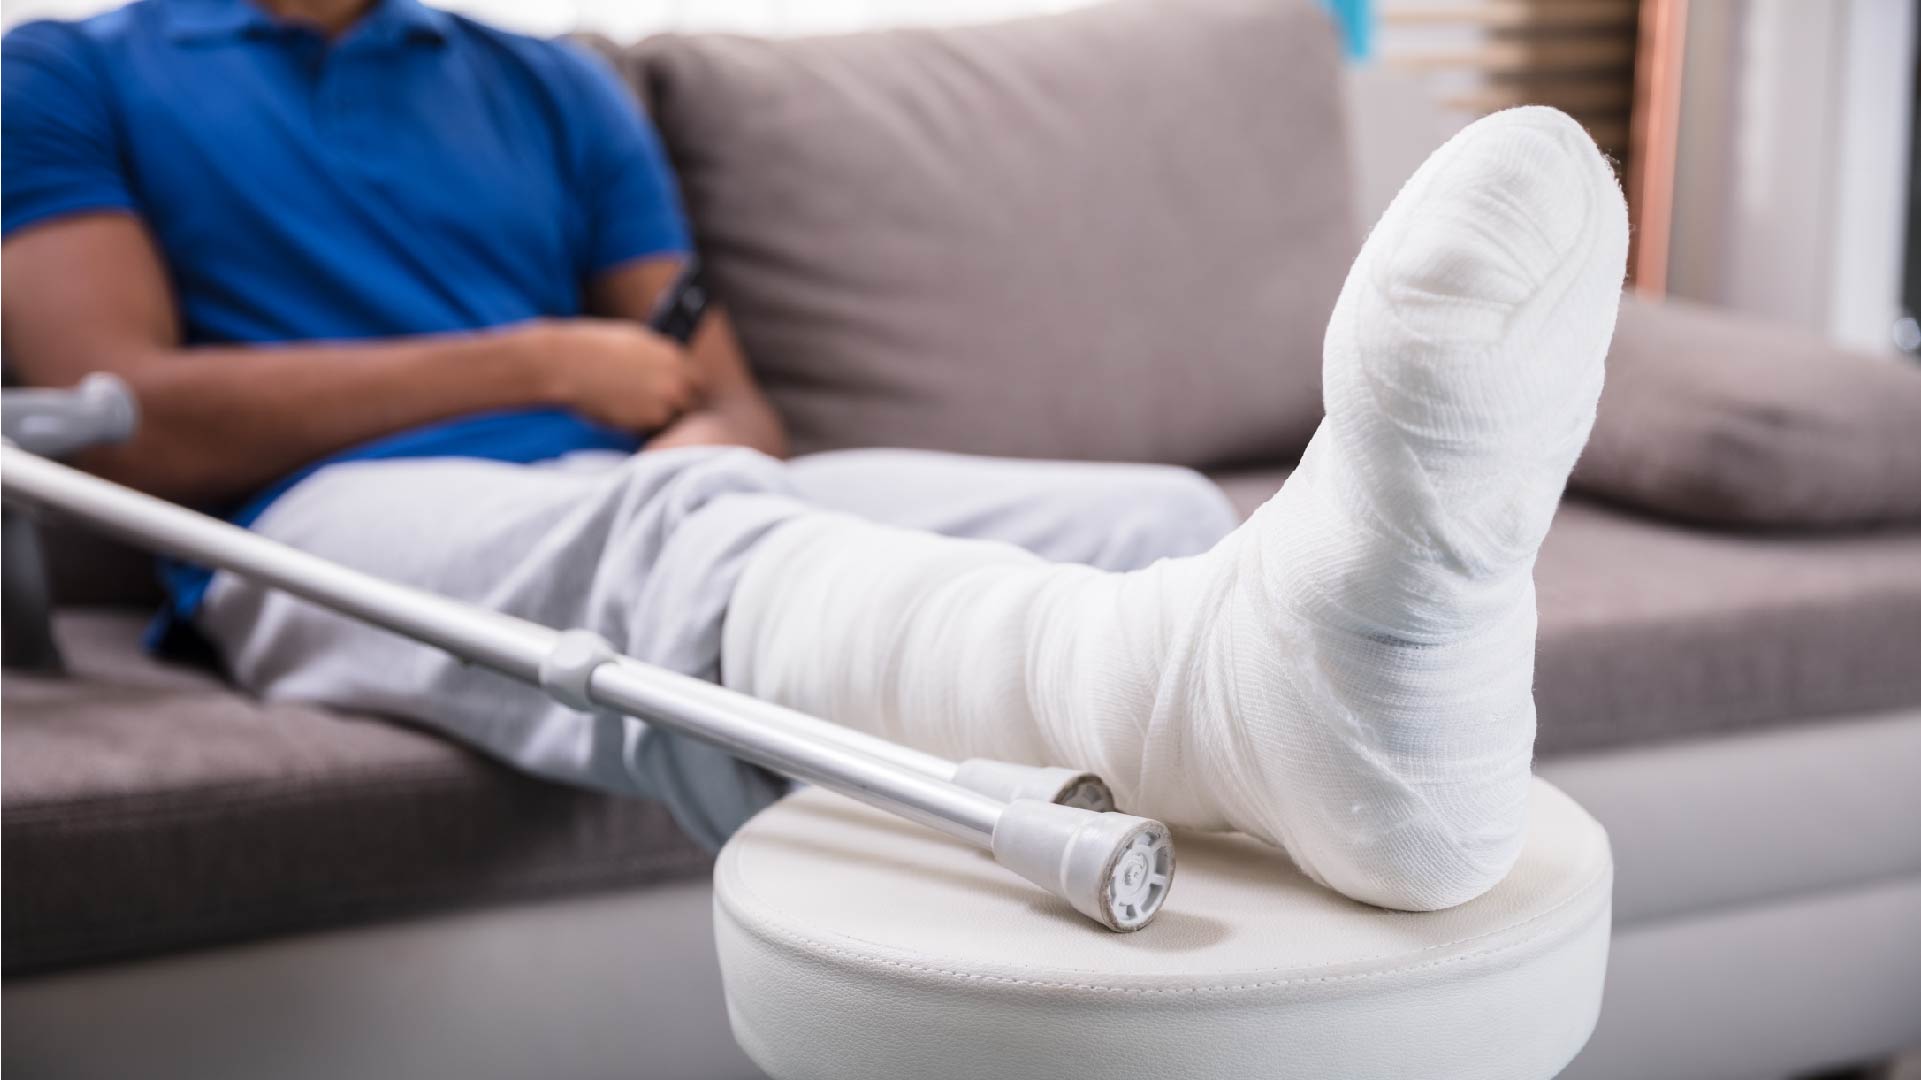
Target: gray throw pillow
x,y
1113,233
1720,419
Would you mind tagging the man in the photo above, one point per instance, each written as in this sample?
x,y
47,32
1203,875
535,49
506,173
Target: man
x,y
381,222
343,231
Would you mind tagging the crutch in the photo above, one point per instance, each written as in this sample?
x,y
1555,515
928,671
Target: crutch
x,y
54,423
1114,868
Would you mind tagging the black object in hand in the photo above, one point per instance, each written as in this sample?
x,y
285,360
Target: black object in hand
x,y
679,312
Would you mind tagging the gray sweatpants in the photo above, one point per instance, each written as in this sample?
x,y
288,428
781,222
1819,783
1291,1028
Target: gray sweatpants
x,y
644,550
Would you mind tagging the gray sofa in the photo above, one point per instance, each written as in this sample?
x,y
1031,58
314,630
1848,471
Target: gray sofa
x,y
199,885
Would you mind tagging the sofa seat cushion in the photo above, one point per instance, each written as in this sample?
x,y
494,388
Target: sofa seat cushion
x,y
153,809
146,807
1653,631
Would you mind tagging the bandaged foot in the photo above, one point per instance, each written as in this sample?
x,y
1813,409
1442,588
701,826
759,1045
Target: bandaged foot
x,y
1349,674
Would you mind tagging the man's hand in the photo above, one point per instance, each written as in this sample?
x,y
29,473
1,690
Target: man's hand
x,y
612,371
726,408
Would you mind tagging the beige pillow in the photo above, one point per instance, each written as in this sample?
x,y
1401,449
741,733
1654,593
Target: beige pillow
x,y
1114,233
1721,419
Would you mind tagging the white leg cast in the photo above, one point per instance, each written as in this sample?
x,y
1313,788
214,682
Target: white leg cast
x,y
1348,675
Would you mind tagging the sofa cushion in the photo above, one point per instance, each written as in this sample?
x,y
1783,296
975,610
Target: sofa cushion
x,y
1720,420
1113,233
90,569
145,807
1652,631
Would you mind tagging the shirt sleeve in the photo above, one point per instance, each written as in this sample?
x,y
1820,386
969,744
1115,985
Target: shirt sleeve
x,y
59,153
627,189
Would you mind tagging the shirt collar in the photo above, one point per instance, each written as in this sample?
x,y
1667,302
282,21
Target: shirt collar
x,y
213,20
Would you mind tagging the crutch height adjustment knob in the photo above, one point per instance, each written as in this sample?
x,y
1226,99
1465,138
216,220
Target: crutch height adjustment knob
x,y
567,667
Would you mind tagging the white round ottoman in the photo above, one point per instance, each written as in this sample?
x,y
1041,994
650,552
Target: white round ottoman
x,y
856,946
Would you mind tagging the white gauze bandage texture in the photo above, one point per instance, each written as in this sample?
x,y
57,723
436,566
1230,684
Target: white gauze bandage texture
x,y
1349,674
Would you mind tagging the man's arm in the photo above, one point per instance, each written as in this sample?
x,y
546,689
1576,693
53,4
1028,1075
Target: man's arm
x,y
729,408
89,293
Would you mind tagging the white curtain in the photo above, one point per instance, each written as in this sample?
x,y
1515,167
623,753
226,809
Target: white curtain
x,y
625,19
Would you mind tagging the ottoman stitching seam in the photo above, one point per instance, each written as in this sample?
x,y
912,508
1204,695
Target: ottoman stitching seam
x,y
1225,987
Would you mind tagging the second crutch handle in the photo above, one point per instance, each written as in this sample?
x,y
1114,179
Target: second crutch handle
x,y
55,423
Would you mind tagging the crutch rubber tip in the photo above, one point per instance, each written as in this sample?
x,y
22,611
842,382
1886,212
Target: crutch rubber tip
x,y
1006,781
1112,868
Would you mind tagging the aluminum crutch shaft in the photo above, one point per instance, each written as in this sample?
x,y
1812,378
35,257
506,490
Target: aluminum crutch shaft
x,y
1002,780
1112,867
101,409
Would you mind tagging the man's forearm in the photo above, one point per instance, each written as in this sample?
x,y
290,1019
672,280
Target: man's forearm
x,y
219,422
90,293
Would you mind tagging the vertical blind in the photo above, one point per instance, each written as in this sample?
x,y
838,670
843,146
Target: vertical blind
x,y
1614,65
1486,55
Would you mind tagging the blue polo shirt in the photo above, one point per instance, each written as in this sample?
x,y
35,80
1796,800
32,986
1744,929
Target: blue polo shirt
x,y
420,174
